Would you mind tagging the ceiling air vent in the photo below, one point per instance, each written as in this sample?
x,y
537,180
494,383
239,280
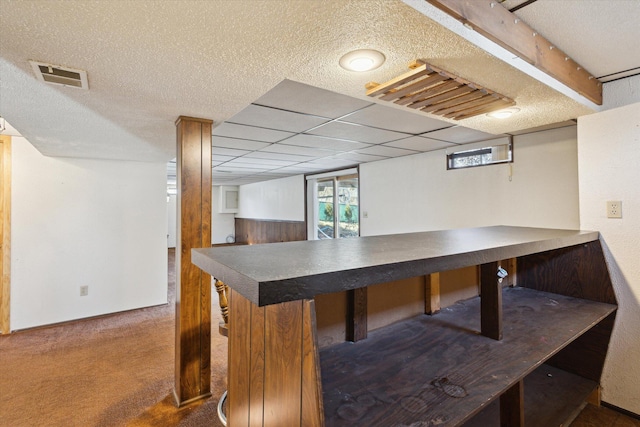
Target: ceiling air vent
x,y
58,75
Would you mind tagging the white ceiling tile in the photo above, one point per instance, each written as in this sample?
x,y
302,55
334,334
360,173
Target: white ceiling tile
x,y
219,158
324,143
419,143
359,157
276,156
228,151
242,168
460,135
299,168
381,150
293,149
331,163
225,174
250,132
353,132
390,118
274,174
303,98
241,144
262,162
273,118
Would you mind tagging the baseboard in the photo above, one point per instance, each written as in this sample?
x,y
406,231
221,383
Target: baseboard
x,y
621,410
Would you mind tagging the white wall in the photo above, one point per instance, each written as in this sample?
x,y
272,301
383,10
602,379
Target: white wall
x,y
418,193
278,199
608,158
222,224
621,92
172,225
82,222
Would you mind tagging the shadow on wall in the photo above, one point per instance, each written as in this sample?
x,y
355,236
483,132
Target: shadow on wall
x,y
623,350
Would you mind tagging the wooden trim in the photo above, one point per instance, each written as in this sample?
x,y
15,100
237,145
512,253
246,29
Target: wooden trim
x,y
490,301
496,23
432,293
193,286
595,397
312,402
356,314
511,265
512,406
193,119
5,208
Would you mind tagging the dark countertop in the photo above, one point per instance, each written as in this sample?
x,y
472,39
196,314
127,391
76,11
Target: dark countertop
x,y
278,272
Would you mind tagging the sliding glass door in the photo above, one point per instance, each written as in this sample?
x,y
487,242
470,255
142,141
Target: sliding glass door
x,y
333,206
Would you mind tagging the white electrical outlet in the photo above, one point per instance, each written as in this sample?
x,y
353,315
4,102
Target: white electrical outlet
x,y
614,209
84,291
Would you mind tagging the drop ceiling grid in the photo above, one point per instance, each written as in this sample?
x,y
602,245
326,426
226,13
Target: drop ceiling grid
x,y
281,135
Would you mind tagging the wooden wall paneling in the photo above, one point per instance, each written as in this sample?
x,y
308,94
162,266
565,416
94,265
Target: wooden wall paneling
x,y
490,301
312,404
512,406
283,362
256,231
432,293
256,378
586,355
193,286
356,314
5,234
578,271
239,370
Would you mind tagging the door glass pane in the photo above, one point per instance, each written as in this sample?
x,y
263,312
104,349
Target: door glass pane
x,y
348,202
325,223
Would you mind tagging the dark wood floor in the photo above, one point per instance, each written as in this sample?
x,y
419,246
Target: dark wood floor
x,y
592,416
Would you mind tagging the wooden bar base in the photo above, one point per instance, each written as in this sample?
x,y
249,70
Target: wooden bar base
x,y
442,369
274,376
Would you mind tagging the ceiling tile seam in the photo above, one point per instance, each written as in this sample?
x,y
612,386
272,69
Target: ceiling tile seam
x,y
311,158
290,111
336,120
339,119
275,129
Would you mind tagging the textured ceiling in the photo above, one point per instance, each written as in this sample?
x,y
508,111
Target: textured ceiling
x,y
151,61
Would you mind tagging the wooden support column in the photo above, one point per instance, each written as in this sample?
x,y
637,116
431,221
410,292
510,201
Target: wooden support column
x,y
193,286
5,233
512,406
432,293
490,301
356,314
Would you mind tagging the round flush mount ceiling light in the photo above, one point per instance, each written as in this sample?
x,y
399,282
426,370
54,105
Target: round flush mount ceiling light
x,y
504,113
362,60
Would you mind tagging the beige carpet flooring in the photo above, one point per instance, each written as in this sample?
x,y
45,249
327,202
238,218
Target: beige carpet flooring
x,y
116,370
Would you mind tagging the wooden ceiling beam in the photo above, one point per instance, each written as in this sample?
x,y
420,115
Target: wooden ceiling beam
x,y
495,22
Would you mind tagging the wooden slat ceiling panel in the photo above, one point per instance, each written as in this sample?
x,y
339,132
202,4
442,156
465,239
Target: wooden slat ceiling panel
x,y
438,92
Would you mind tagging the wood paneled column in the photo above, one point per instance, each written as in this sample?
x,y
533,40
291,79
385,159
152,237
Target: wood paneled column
x,y
5,232
193,286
